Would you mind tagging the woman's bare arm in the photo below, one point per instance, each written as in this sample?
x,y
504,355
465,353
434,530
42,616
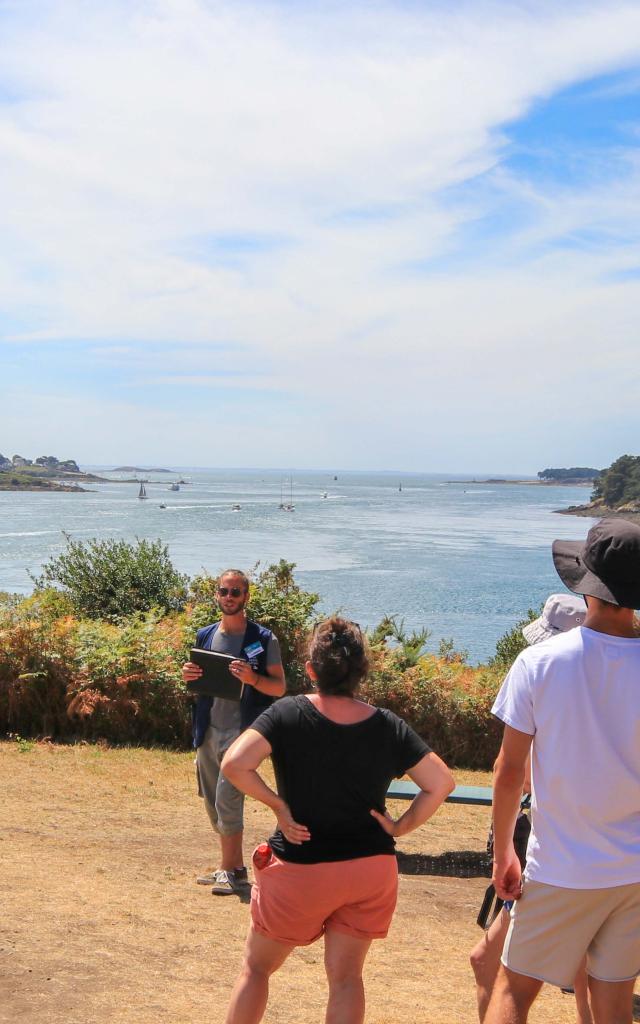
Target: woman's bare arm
x,y
435,781
240,766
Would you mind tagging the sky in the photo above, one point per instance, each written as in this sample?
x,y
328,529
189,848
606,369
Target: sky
x,y
381,235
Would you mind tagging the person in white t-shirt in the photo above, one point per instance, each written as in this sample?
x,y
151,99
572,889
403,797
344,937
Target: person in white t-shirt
x,y
561,613
574,702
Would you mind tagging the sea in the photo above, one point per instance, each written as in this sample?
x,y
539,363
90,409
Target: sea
x,y
464,560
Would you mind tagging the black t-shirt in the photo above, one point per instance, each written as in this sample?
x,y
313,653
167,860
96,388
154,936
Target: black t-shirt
x,y
332,775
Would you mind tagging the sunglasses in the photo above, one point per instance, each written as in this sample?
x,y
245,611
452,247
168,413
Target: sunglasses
x,y
233,591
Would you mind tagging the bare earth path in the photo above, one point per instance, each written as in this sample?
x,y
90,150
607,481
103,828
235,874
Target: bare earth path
x,y
101,920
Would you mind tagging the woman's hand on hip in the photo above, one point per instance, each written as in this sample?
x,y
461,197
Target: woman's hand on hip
x,y
291,830
385,821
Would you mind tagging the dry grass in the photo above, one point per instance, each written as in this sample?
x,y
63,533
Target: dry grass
x,y
102,920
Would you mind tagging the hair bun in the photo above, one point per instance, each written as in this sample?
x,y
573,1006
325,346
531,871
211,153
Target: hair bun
x,y
338,656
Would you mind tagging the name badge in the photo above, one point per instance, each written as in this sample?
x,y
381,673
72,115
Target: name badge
x,y
253,650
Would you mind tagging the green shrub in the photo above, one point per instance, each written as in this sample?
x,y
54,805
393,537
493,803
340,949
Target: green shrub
x,y
90,679
68,674
620,483
406,648
446,702
37,662
277,602
512,643
110,579
119,678
128,688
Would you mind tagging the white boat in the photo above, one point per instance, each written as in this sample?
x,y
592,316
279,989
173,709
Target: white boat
x,y
142,493
174,486
286,506
290,507
236,508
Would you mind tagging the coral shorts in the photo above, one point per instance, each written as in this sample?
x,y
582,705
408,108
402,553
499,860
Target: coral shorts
x,y
297,903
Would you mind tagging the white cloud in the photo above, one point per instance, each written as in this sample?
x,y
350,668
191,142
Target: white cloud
x,y
135,129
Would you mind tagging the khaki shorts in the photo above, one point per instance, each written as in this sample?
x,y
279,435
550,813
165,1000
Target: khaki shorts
x,y
552,928
225,804
297,903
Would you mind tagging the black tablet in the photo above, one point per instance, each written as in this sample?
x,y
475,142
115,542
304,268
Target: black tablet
x,y
216,679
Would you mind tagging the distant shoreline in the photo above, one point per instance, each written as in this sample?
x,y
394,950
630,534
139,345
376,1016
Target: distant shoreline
x,y
528,483
138,469
37,478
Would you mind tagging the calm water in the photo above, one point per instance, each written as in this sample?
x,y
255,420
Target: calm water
x,y
464,561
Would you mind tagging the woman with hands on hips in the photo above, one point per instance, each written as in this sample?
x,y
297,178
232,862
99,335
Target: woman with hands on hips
x,y
330,868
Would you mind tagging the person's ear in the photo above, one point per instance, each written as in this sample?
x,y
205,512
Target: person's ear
x,y
309,669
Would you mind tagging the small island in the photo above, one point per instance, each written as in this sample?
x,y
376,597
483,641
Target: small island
x,y
575,475
46,473
616,492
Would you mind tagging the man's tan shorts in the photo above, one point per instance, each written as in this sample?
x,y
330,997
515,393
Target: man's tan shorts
x,y
552,928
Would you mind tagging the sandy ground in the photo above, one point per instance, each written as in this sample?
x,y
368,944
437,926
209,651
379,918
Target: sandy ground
x,y
102,920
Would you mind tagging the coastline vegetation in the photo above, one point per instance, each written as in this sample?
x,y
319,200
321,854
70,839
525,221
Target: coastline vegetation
x,y
576,474
76,665
616,491
46,473
29,478
619,485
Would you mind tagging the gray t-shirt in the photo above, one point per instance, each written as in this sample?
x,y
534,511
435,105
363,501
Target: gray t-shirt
x,y
225,714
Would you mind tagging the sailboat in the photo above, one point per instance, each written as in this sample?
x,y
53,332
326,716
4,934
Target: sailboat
x,y
286,506
400,486
290,507
142,493
174,486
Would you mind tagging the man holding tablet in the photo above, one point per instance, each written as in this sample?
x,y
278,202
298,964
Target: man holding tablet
x,y
217,721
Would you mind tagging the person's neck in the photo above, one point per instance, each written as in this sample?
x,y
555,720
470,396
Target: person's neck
x,y
608,618
332,699
344,710
234,623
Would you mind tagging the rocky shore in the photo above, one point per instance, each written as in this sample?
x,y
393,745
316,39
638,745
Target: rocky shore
x,y
37,485
598,510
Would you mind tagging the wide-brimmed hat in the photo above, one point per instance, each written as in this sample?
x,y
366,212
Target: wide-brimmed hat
x,y
561,612
605,565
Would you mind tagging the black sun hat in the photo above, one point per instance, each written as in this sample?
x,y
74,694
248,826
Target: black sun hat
x,y
605,565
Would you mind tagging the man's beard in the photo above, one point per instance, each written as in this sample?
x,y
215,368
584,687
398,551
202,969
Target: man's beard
x,y
238,607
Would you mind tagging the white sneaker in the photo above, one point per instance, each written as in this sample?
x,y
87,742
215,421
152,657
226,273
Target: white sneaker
x,y
229,882
209,879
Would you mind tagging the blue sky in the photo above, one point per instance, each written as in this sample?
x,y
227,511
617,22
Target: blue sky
x,y
401,235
